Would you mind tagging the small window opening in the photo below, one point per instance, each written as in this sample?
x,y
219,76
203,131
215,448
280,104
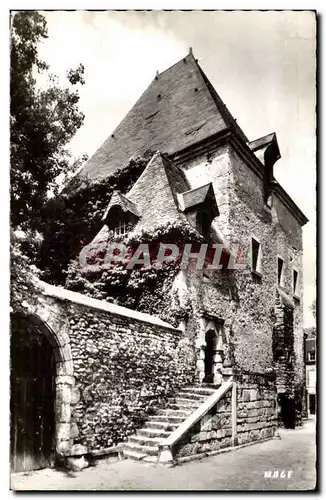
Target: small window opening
x,y
312,356
280,271
295,283
256,255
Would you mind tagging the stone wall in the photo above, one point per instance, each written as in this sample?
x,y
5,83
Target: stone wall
x,y
123,368
256,407
213,432
215,168
243,300
283,347
256,418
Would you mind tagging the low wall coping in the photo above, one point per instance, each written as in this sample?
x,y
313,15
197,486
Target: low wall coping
x,y
79,298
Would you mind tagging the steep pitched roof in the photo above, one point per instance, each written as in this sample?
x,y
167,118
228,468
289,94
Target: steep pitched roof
x,y
203,197
153,198
194,196
123,202
155,193
179,108
266,148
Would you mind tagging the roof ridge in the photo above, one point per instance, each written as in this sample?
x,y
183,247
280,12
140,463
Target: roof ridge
x,y
201,114
176,167
172,66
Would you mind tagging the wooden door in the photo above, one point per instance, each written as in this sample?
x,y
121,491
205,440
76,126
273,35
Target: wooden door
x,y
32,399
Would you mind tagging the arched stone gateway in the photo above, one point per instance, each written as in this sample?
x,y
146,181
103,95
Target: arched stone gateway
x,y
41,386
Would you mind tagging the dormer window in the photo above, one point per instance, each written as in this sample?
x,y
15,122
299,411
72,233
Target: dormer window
x,y
267,151
120,222
200,208
122,227
121,214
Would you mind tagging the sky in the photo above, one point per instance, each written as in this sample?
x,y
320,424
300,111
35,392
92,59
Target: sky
x,y
262,65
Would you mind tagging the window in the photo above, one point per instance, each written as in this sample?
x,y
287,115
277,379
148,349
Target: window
x,y
295,283
255,256
280,271
122,227
312,356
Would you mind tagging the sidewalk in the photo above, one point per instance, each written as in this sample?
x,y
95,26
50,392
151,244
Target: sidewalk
x,y
242,469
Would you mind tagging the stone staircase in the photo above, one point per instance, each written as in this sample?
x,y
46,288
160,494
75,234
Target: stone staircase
x,y
144,444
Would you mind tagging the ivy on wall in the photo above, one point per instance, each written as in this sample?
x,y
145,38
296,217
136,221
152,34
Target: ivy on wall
x,y
72,219
148,289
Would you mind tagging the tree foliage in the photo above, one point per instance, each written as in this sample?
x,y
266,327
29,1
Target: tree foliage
x,y
74,217
24,283
42,122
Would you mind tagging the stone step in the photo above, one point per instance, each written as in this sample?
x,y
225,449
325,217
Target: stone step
x,y
175,413
140,448
162,425
210,385
205,391
151,442
144,444
192,396
155,433
136,455
151,458
189,406
169,417
184,401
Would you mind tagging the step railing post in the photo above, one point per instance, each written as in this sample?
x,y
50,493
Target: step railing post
x,y
166,457
234,414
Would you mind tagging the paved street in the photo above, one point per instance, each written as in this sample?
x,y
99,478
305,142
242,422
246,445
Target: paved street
x,y
241,469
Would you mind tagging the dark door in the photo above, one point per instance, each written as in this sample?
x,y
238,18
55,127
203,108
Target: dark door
x,y
209,355
312,404
287,410
32,397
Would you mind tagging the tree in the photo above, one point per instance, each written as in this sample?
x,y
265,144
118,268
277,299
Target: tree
x,y
24,274
42,122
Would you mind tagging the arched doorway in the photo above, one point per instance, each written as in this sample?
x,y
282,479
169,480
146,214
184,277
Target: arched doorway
x,y
210,348
32,404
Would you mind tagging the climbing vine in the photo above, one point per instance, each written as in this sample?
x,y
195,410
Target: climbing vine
x,y
72,219
148,289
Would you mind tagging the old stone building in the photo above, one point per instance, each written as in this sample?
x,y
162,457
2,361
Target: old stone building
x,y
190,357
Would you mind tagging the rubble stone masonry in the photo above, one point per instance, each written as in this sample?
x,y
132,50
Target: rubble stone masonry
x,y
123,368
248,302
